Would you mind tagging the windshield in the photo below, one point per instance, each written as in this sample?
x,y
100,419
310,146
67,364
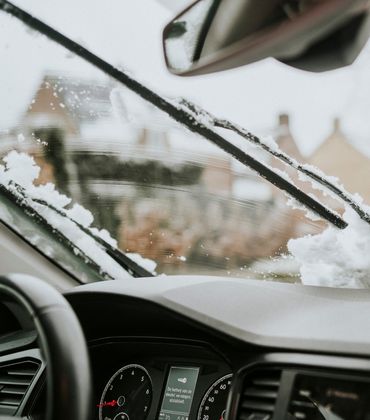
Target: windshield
x,y
123,169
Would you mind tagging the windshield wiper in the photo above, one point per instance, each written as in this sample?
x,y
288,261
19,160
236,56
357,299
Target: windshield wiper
x,y
38,218
277,153
122,259
183,116
22,200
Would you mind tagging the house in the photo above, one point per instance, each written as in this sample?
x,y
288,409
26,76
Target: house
x,y
101,145
69,114
336,156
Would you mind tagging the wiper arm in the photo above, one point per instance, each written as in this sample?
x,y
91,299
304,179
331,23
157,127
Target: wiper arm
x,y
36,216
283,157
122,259
21,199
182,116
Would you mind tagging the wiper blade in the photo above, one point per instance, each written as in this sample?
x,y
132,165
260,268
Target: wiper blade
x,y
182,116
117,255
122,259
38,218
283,157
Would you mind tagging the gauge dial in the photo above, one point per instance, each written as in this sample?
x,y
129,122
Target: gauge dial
x,y
213,405
127,395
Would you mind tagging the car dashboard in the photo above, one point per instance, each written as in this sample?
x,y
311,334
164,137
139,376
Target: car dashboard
x,y
153,358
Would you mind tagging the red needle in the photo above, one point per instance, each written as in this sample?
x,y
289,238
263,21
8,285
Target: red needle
x,y
109,403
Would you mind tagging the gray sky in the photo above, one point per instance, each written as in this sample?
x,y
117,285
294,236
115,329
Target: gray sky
x,y
128,33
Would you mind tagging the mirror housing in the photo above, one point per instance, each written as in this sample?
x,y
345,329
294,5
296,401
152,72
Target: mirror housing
x,y
314,35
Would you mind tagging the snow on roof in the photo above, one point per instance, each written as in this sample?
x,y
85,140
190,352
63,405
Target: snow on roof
x,y
129,115
251,190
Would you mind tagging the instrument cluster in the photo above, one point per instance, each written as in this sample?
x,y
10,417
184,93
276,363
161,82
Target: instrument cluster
x,y
139,380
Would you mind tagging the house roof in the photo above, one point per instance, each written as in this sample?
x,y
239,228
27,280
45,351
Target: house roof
x,y
336,156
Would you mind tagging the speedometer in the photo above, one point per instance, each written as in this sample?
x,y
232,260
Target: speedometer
x,y
127,395
213,405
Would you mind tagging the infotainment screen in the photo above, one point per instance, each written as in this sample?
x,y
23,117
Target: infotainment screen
x,y
179,392
334,398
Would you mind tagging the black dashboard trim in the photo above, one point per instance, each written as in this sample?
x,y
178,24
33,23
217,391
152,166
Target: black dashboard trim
x,y
159,340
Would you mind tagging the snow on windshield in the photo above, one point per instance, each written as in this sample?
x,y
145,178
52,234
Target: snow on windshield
x,y
335,258
20,171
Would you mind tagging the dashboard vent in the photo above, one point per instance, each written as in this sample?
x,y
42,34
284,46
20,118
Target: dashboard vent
x,y
300,405
259,394
15,378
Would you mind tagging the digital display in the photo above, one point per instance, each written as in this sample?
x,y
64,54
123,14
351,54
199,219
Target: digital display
x,y
330,398
178,394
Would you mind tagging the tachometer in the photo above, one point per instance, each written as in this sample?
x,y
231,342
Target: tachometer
x,y
127,395
213,405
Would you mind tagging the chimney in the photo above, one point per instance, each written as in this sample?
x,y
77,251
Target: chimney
x,y
283,129
284,120
337,127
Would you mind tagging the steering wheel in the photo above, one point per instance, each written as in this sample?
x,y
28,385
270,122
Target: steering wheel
x,y
62,344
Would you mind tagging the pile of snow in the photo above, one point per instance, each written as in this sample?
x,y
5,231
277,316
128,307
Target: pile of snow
x,y
21,169
335,257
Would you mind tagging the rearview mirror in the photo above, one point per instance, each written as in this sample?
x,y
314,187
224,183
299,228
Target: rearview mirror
x,y
316,35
